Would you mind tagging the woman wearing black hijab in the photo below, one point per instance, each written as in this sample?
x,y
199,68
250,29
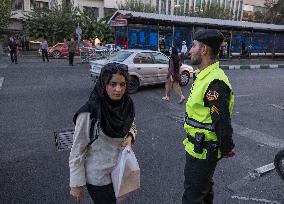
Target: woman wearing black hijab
x,y
173,77
103,127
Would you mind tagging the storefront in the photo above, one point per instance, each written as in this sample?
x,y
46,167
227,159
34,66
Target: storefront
x,y
137,30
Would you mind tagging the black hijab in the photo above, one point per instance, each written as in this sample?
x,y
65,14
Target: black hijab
x,y
116,117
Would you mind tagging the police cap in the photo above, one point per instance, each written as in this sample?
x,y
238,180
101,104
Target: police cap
x,y
210,37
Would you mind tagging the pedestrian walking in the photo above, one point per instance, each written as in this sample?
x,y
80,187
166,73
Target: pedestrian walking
x,y
13,48
173,77
109,117
44,50
207,121
71,50
183,51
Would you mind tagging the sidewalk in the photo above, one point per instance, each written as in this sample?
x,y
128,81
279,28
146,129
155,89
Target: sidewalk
x,y
4,59
225,64
250,63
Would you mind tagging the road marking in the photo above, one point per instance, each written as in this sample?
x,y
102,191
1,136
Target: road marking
x,y
264,169
1,81
276,106
255,199
258,136
237,96
252,176
239,184
3,66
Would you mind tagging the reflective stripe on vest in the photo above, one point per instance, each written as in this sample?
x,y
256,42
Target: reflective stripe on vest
x,y
196,124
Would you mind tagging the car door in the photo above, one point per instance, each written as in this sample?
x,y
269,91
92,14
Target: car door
x,y
64,50
144,66
162,64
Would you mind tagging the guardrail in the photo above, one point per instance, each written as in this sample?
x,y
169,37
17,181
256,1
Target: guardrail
x,y
88,54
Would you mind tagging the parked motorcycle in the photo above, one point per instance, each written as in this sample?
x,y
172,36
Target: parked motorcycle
x,y
279,163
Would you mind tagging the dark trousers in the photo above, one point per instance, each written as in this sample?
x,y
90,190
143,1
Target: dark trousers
x,y
102,194
13,55
71,58
198,183
44,55
183,57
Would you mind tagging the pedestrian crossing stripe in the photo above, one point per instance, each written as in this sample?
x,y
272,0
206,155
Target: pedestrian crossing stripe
x,y
1,81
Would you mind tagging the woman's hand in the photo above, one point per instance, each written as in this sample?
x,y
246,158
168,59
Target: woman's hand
x,y
126,141
77,193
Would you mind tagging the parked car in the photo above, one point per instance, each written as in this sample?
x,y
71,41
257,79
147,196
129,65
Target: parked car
x,y
145,67
61,50
111,47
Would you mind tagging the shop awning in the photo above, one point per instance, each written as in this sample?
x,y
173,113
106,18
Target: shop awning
x,y
196,20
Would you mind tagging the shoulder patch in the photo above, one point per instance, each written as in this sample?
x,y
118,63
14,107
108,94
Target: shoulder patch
x,y
212,95
214,109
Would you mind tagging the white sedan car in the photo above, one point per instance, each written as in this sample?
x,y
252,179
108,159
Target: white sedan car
x,y
145,67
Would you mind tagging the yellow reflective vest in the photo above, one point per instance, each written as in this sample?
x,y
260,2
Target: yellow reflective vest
x,y
198,118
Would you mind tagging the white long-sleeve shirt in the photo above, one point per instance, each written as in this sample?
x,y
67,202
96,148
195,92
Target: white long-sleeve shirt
x,y
100,159
183,49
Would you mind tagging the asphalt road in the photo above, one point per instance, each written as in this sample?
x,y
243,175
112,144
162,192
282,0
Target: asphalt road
x,y
38,98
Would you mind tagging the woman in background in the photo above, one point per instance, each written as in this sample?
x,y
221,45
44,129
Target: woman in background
x,y
173,77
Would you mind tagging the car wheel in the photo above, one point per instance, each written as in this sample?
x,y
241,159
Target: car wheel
x,y
56,54
133,85
184,78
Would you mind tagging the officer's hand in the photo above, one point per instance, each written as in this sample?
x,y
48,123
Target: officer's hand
x,y
230,154
77,193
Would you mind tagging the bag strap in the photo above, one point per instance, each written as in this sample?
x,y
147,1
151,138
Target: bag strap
x,y
93,124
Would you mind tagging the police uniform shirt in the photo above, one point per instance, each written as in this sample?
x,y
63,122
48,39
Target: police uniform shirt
x,y
217,99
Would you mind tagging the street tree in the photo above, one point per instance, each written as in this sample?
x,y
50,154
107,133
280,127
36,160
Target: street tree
x,y
137,5
93,27
5,12
60,21
275,12
54,24
211,10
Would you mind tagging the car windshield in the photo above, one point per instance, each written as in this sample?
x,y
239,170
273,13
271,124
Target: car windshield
x,y
120,56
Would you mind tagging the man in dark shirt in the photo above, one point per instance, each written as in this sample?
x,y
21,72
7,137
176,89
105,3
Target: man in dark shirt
x,y
12,45
207,121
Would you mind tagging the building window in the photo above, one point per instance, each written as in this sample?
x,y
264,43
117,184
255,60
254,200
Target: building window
x,y
163,7
67,2
18,5
143,37
39,5
109,11
91,11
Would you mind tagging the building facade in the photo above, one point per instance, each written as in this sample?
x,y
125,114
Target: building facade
x,y
171,7
137,30
246,10
253,10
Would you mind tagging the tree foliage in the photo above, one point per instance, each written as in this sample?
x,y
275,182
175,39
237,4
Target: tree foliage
x,y
137,5
92,27
275,12
54,24
212,10
61,20
5,12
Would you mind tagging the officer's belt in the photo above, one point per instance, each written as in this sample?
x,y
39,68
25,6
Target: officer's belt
x,y
197,124
209,145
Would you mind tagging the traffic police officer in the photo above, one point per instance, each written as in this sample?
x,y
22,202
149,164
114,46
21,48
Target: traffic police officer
x,y
207,121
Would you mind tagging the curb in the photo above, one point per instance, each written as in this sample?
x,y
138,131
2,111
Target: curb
x,y
254,66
